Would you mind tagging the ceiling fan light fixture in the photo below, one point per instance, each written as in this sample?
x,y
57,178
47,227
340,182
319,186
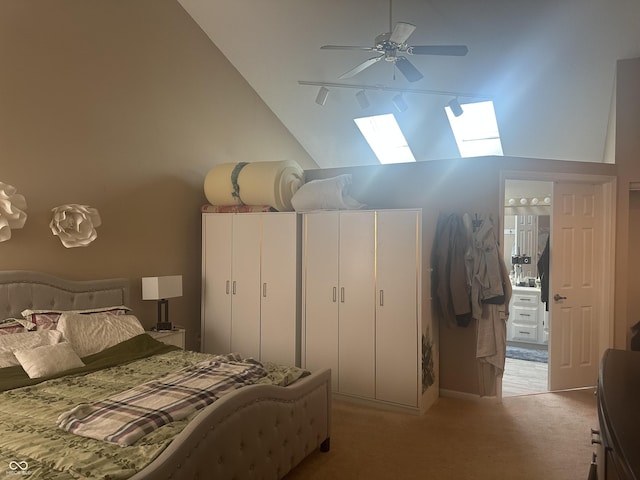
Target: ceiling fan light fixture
x,y
361,97
399,103
321,98
455,107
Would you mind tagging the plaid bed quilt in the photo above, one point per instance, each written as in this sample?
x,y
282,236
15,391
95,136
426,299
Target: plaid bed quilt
x,y
126,417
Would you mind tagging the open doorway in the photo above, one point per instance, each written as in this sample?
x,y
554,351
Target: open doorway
x,y
527,226
579,325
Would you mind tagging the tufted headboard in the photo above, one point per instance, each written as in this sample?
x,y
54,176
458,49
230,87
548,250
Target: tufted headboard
x,y
21,289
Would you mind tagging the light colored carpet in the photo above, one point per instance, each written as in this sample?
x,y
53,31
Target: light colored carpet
x,y
544,436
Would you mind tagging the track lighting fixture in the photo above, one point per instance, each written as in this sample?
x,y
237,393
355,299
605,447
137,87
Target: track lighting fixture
x,y
323,93
362,99
455,107
399,102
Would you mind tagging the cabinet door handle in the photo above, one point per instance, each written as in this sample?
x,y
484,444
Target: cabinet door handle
x,y
335,294
264,289
227,287
382,298
233,290
525,314
342,294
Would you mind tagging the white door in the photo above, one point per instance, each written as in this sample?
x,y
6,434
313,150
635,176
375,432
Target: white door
x,y
245,285
397,330
575,272
278,305
356,324
216,282
320,251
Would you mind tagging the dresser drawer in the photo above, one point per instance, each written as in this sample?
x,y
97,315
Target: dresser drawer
x,y
525,299
524,333
525,315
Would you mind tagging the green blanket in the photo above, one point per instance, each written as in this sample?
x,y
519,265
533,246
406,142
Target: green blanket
x,y
138,347
28,433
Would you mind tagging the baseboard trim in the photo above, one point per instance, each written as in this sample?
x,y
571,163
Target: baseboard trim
x,y
468,396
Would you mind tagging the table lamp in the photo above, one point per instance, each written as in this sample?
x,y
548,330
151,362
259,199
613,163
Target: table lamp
x,y
160,289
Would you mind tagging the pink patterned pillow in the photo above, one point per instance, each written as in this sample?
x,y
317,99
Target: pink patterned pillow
x,y
45,321
12,325
48,320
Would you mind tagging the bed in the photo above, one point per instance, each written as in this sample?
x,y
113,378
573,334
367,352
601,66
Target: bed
x,y
257,431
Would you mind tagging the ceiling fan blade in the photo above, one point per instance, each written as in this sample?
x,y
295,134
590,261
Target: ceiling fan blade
x,y
453,50
410,72
346,47
401,32
356,70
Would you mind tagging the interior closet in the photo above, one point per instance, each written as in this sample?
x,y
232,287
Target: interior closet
x,y
361,302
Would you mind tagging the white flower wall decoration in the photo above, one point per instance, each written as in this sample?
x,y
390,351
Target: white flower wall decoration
x,y
75,225
12,211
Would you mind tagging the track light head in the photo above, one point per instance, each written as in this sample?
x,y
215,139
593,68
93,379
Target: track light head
x,y
455,107
399,103
323,93
362,99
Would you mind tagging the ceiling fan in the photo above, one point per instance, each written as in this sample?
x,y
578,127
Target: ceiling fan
x,y
390,47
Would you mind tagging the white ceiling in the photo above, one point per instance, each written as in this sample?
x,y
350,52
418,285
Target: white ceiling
x,y
548,65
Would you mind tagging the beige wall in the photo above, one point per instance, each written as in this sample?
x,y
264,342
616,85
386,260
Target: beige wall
x,y
124,106
628,161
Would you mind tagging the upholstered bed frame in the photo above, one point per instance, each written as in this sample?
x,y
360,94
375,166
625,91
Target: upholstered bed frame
x,y
259,431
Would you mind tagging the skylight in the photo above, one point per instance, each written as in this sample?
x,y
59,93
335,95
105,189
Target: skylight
x,y
476,130
385,138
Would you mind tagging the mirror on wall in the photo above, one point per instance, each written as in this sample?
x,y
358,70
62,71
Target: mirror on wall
x,y
527,225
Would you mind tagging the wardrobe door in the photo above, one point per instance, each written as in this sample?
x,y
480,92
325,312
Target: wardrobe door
x,y
279,289
320,277
398,339
356,319
245,285
216,282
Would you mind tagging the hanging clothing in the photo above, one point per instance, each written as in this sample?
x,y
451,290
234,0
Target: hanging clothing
x,y
483,263
490,296
491,344
449,283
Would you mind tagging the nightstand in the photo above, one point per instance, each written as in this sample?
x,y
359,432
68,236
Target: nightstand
x,y
172,337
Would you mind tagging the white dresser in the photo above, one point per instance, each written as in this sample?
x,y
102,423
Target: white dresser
x,y
361,307
527,317
251,285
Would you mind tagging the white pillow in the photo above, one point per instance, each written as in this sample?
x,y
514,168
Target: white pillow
x,y
48,359
92,333
23,341
325,194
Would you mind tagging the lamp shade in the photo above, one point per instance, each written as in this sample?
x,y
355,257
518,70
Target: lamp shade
x,y
159,288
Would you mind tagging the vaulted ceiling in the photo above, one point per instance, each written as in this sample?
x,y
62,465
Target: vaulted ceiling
x,y
548,65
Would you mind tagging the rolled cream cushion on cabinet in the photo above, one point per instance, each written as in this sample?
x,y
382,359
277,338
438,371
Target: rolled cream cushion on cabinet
x,y
258,183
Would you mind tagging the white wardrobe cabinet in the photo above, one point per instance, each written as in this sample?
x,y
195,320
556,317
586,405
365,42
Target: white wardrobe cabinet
x,y
361,287
250,285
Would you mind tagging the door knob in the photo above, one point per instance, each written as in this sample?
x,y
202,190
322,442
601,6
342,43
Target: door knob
x,y
557,297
